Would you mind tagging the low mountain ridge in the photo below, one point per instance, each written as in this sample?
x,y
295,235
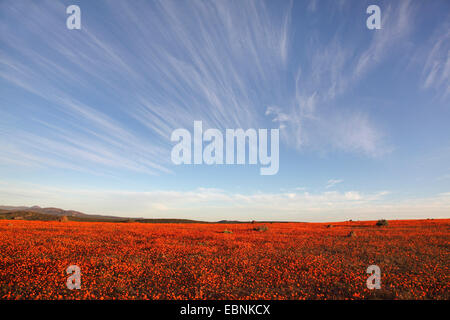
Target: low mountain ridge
x,y
49,210
55,214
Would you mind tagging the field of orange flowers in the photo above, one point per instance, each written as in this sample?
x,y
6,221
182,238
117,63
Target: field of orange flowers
x,y
201,261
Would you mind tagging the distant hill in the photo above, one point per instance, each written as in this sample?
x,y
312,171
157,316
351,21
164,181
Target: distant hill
x,y
26,214
55,214
37,209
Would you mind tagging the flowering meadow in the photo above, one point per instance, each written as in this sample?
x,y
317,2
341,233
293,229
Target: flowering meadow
x,y
225,261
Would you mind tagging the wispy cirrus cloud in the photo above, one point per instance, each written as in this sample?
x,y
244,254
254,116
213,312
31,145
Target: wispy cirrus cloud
x,y
113,91
106,97
332,182
436,70
396,27
332,71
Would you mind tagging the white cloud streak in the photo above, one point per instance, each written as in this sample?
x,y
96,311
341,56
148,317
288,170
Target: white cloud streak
x,y
436,70
332,182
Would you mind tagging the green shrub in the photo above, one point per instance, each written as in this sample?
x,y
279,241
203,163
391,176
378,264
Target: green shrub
x,y
381,223
261,228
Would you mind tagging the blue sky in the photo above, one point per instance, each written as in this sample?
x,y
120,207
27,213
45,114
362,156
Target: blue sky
x,y
86,115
